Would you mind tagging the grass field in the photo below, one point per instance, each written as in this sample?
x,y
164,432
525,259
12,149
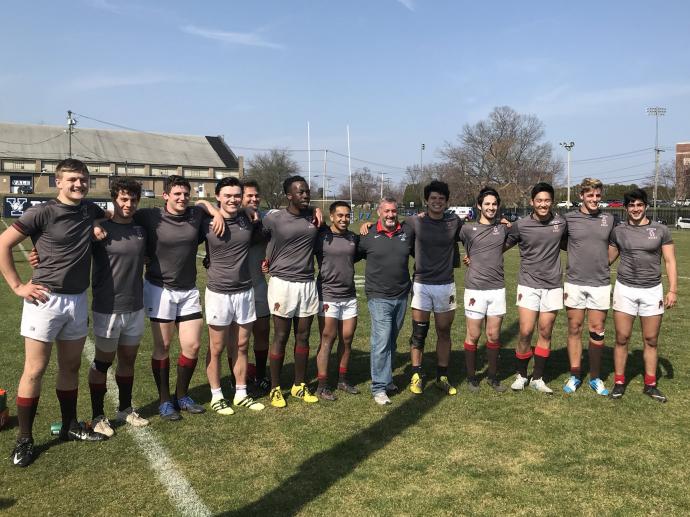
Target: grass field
x,y
473,454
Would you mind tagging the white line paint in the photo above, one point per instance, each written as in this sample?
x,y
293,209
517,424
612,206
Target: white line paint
x,y
175,483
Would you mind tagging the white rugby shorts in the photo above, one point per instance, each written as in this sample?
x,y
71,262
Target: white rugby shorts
x,y
168,304
340,310
638,301
539,300
64,317
292,299
224,309
484,302
433,298
587,297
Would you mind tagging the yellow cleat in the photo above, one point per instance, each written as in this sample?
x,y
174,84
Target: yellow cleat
x,y
416,385
276,397
444,384
221,406
300,391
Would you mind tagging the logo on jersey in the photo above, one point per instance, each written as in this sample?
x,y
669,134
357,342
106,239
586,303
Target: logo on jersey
x,y
495,231
651,233
604,220
242,223
16,205
139,232
403,237
556,227
472,301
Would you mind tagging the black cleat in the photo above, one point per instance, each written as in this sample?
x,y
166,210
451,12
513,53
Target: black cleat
x,y
326,394
23,453
653,392
81,433
348,388
618,391
496,385
473,385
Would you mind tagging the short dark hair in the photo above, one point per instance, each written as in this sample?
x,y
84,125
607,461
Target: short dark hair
x,y
176,181
121,184
336,204
251,183
635,195
542,186
290,180
488,191
230,181
72,165
439,187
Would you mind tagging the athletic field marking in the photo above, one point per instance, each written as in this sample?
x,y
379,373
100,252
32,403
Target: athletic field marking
x,y
179,489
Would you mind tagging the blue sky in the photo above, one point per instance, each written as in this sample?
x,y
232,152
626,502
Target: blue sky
x,y
398,72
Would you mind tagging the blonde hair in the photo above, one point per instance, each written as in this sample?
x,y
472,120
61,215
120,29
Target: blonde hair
x,y
590,184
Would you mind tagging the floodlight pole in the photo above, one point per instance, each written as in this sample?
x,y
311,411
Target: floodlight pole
x,y
309,155
657,112
71,122
568,147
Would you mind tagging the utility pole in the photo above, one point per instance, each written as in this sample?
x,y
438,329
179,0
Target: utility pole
x,y
421,159
323,194
71,122
568,147
382,174
657,112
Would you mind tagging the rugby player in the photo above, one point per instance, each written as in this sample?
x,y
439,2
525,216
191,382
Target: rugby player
x,y
386,284
539,291
587,287
640,244
171,298
55,300
485,294
229,297
336,254
251,198
118,305
292,296
433,246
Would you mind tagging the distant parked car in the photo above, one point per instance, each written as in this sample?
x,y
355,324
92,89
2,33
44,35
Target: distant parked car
x,y
565,204
616,203
148,193
683,223
511,216
603,204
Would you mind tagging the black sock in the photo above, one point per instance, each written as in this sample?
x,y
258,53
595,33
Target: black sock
x,y
260,358
124,386
26,413
522,366
539,363
185,370
97,391
161,374
418,369
492,359
441,371
68,406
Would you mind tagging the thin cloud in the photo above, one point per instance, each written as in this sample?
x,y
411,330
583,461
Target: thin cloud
x,y
408,4
250,39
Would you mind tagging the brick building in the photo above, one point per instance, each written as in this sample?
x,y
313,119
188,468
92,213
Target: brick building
x,y
683,170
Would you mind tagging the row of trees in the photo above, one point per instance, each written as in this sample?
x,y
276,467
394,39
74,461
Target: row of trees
x,y
507,150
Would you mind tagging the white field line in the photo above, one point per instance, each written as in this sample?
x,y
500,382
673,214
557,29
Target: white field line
x,y
179,489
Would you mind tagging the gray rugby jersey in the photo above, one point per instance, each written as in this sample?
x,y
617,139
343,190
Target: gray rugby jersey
x,y
62,237
336,254
540,247
118,265
484,245
434,247
290,250
588,244
172,242
228,271
640,253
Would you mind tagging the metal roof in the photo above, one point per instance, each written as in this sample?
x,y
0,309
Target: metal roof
x,y
102,145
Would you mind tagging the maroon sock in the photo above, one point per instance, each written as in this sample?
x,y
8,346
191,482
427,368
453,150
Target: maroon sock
x,y
576,371
26,413
161,374
323,381
68,406
492,350
185,370
97,391
342,374
595,353
522,362
540,357
124,386
470,359
260,358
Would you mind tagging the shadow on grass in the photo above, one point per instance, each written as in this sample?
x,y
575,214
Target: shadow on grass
x,y
318,473
6,503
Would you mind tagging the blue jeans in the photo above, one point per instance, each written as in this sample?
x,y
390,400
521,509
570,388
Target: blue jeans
x,y
387,317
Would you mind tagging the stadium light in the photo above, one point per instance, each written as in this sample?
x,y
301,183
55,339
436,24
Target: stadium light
x,y
568,147
656,112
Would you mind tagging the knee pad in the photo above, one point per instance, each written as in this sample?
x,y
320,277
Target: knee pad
x,y
595,336
419,331
101,366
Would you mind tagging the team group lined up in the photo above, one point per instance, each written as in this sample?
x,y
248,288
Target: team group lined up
x,y
70,233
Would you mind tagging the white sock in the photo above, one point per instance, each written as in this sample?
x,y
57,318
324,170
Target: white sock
x,y
240,391
216,393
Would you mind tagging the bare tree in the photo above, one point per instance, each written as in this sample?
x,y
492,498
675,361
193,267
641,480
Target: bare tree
x,y
506,150
270,169
667,182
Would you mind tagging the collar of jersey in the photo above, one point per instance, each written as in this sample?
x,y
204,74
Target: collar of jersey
x,y
381,229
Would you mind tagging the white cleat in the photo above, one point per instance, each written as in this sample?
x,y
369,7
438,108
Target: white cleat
x,y
540,386
519,383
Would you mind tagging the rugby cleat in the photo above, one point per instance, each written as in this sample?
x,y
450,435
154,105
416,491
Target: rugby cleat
x,y
473,385
23,453
540,386
653,392
496,385
131,417
618,391
187,404
325,394
168,412
598,386
572,384
276,397
348,388
80,433
221,406
300,391
417,384
381,398
519,383
443,384
102,425
248,402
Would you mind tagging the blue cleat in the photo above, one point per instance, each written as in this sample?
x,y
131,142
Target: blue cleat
x,y
572,384
598,386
